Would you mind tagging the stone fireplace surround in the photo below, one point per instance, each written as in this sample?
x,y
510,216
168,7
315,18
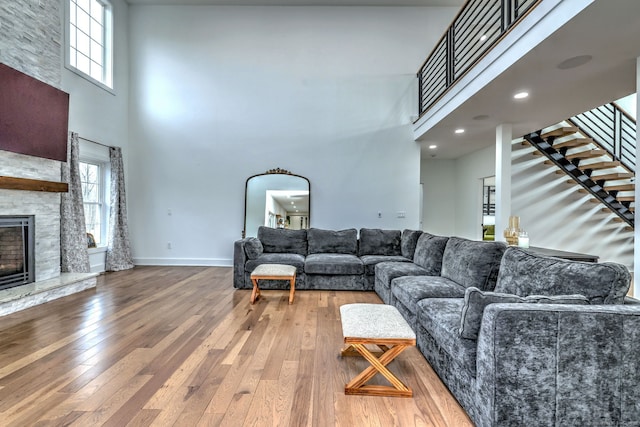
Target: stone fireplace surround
x,y
50,283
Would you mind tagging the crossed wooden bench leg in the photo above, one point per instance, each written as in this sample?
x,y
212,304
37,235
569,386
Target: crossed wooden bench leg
x,y
379,362
383,326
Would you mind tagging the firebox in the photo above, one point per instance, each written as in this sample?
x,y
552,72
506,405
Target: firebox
x,y
17,250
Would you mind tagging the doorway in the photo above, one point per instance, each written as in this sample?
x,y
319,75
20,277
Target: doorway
x,y
489,208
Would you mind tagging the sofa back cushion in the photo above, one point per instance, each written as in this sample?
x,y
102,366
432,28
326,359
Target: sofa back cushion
x,y
408,242
281,240
332,242
429,251
523,273
472,263
374,241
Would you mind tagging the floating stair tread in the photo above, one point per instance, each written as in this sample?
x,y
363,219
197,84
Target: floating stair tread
x,y
612,176
571,143
567,130
620,187
625,198
600,165
587,154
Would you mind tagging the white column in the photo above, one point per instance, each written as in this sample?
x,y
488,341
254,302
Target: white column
x,y
504,136
636,232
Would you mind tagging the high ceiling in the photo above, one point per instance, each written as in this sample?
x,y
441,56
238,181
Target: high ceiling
x,y
456,3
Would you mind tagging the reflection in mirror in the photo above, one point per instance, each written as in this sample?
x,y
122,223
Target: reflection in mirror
x,y
277,199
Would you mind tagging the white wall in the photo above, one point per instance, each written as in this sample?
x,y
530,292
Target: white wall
x,y
557,216
553,212
470,170
97,114
439,198
222,93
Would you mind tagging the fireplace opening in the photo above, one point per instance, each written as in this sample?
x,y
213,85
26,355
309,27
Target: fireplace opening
x,y
17,251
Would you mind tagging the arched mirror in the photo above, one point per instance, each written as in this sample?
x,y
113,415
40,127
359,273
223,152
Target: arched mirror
x,y
277,199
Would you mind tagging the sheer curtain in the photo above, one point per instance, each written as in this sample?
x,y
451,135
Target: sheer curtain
x,y
74,257
118,249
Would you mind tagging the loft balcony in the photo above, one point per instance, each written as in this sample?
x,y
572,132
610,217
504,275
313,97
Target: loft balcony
x,y
569,55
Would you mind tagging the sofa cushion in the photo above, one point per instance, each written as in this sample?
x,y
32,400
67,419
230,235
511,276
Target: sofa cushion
x,y
523,273
409,290
387,271
282,240
472,263
408,242
374,241
332,242
336,264
253,247
440,317
429,252
370,262
476,300
289,259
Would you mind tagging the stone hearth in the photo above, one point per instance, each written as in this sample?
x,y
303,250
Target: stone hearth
x,y
25,296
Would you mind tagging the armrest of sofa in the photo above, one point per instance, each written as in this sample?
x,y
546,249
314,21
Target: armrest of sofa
x,y
549,364
239,260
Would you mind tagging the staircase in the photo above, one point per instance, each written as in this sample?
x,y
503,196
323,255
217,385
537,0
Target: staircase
x,y
596,153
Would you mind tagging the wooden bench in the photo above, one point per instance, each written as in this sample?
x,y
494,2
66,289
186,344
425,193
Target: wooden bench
x,y
383,326
273,272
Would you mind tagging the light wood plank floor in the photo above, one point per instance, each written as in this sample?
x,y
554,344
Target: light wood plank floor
x,y
180,346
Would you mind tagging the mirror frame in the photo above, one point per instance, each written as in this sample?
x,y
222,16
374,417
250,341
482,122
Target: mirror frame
x,y
276,171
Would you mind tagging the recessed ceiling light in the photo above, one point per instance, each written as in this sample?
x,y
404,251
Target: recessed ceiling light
x,y
574,62
433,147
459,130
521,95
483,38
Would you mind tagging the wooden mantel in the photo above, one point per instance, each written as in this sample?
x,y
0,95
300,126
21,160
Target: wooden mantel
x,y
11,183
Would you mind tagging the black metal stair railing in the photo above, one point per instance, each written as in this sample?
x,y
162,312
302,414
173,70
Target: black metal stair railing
x,y
477,28
612,129
593,186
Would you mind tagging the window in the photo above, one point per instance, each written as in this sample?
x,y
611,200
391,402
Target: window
x,y
89,40
92,178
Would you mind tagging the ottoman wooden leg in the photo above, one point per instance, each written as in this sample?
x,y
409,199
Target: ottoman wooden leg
x,y
292,291
255,293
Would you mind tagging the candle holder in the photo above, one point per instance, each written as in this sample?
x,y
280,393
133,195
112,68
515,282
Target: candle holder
x,y
512,233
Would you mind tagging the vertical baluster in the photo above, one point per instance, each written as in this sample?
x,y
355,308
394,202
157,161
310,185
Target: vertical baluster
x,y
420,90
450,55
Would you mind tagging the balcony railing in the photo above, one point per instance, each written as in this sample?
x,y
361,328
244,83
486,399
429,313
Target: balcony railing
x,y
478,27
613,129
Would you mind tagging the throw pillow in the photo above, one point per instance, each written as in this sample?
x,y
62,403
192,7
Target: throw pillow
x,y
476,300
253,247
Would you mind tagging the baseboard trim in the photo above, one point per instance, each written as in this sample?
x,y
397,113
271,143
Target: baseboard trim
x,y
186,262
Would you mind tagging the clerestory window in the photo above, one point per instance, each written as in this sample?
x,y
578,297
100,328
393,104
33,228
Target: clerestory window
x,y
89,36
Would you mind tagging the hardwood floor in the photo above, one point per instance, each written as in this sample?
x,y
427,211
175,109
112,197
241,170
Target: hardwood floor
x,y
180,346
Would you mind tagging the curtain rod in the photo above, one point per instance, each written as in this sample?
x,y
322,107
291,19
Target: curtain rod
x,y
95,142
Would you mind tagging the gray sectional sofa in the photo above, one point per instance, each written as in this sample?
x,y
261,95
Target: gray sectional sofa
x,y
324,259
519,339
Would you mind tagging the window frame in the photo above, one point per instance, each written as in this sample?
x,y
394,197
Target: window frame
x,y
104,169
108,54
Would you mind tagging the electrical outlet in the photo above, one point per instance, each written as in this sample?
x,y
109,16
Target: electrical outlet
x,y
402,214
168,245
379,214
